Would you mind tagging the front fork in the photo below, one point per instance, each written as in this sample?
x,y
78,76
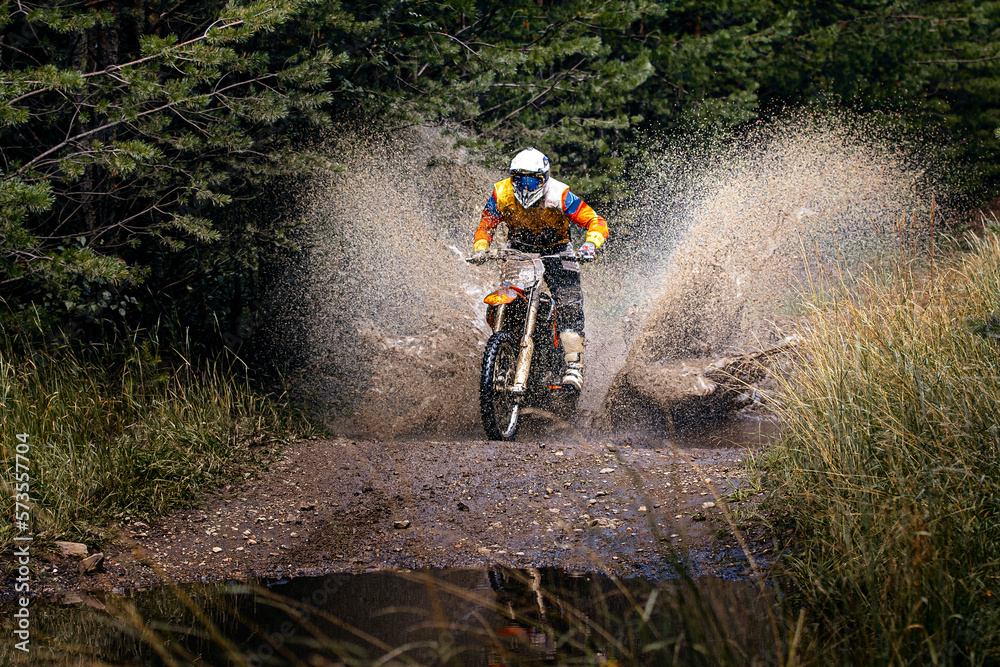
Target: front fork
x,y
527,340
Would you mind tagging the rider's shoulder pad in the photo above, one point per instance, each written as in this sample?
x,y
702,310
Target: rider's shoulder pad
x,y
554,193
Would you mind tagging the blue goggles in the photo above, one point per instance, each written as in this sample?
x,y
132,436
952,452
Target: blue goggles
x,y
526,183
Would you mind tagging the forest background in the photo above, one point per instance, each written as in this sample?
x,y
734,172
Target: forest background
x,y
154,158
152,149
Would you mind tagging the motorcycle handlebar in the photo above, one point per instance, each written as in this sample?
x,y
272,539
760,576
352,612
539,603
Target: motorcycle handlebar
x,y
499,255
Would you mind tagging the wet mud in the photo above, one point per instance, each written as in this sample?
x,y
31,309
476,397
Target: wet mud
x,y
632,506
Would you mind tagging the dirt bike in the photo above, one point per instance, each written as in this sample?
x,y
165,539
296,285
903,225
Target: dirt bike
x,y
523,362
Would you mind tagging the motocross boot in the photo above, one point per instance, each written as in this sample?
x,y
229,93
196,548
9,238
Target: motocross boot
x,y
573,344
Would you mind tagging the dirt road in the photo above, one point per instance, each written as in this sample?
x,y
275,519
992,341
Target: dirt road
x,y
629,505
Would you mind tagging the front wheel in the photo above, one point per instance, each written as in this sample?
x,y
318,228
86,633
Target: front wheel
x,y
497,403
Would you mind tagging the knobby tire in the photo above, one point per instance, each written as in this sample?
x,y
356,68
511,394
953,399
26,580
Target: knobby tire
x,y
500,411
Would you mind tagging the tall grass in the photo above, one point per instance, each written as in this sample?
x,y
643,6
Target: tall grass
x,y
890,464
125,428
449,618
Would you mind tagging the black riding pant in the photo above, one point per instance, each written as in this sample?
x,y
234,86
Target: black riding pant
x,y
562,275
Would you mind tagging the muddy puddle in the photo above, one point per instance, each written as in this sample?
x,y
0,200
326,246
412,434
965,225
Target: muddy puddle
x,y
484,616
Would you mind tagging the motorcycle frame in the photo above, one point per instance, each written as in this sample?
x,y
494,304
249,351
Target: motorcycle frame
x,y
527,348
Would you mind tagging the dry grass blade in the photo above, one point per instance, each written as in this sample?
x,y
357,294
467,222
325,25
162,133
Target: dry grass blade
x,y
890,458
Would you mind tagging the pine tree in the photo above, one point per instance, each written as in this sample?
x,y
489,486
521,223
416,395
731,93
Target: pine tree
x,y
123,125
514,73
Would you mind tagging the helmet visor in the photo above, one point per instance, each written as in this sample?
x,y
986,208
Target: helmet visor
x,y
527,183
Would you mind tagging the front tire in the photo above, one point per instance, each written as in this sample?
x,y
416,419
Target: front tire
x,y
499,407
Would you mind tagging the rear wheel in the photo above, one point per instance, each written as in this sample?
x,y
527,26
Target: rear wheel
x,y
497,403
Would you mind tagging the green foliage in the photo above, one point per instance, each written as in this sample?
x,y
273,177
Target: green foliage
x,y
890,465
127,129
127,427
521,72
159,132
586,81
935,65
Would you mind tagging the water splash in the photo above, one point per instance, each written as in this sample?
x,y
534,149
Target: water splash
x,y
750,220
703,260
391,317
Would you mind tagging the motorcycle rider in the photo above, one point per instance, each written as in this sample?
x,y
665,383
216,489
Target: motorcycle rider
x,y
538,210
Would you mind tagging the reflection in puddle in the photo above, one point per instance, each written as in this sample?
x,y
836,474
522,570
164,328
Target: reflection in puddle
x,y
494,616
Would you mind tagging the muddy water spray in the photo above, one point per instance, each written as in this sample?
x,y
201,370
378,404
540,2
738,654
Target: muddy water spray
x,y
703,260
748,221
393,321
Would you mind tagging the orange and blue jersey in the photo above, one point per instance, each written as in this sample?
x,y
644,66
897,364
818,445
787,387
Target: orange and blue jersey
x,y
540,227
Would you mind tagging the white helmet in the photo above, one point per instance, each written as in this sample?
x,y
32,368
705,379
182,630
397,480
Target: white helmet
x,y
529,171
